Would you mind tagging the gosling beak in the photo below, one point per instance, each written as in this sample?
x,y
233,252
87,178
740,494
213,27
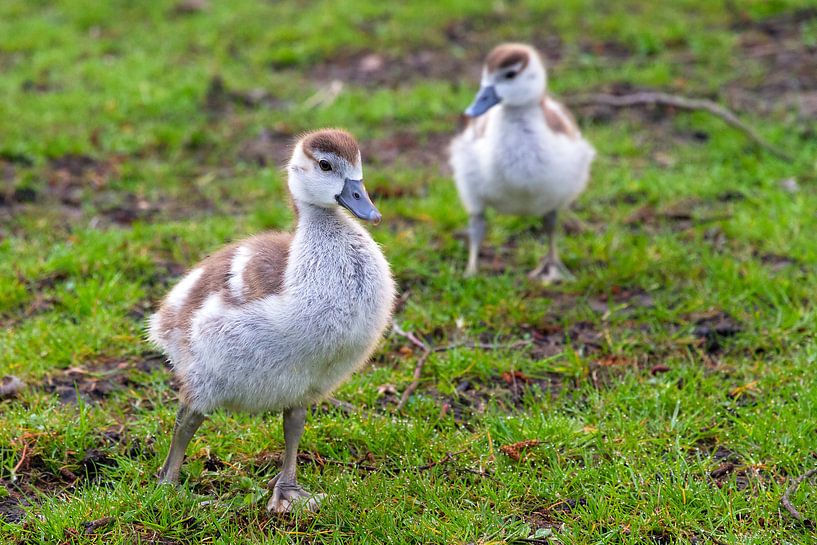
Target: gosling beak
x,y
354,198
485,99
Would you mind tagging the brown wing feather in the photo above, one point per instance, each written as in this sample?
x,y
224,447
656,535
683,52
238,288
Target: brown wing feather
x,y
558,118
264,273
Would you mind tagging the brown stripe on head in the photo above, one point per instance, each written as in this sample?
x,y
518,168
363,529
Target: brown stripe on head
x,y
336,141
506,55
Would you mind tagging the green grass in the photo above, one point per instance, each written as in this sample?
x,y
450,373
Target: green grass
x,y
676,233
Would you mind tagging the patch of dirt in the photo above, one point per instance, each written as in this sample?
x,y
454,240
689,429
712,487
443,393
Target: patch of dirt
x,y
79,188
550,339
409,148
608,49
788,64
190,7
661,537
70,174
219,100
778,262
713,329
18,195
680,215
33,477
621,299
12,508
459,61
93,463
551,516
97,381
729,466
508,391
370,69
494,260
270,147
605,370
133,533
76,181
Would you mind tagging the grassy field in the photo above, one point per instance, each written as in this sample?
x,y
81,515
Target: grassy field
x,y
668,395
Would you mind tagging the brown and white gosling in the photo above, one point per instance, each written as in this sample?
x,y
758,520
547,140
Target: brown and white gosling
x,y
521,153
277,321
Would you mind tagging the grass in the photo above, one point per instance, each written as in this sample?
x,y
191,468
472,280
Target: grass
x,y
671,386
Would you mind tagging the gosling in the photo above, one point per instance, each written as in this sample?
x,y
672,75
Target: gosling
x,y
277,321
521,153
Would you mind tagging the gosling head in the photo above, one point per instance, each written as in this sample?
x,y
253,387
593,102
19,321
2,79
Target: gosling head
x,y
514,75
326,171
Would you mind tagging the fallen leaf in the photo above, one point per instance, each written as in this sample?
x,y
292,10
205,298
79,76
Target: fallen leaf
x,y
515,376
514,450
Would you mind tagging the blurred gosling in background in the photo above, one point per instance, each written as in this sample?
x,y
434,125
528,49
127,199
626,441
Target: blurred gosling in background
x,y
521,153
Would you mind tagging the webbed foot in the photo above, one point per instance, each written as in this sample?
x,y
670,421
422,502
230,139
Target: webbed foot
x,y
288,497
551,272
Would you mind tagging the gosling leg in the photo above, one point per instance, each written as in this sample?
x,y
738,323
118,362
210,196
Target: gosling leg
x,y
187,422
287,494
551,269
476,234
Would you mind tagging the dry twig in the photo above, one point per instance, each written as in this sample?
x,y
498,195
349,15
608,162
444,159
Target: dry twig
x,y
650,97
785,501
428,350
415,383
345,407
22,459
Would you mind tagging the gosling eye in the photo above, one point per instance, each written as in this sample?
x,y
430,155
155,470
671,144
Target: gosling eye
x,y
325,165
511,74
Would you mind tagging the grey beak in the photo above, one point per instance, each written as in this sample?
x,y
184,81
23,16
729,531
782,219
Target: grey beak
x,y
485,99
354,198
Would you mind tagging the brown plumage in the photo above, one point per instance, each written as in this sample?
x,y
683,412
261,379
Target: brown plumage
x,y
216,271
263,275
336,141
505,55
558,118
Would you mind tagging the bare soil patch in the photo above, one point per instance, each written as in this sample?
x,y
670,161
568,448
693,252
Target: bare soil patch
x,y
270,147
220,100
714,328
83,188
369,69
788,64
507,390
97,381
